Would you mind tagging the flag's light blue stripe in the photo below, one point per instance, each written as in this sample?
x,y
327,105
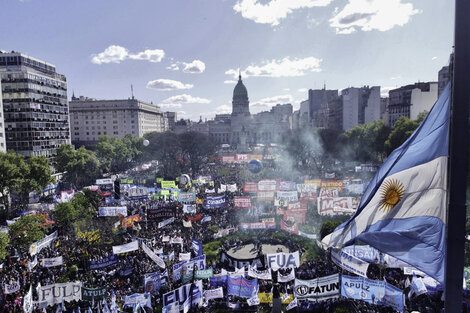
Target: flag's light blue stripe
x,y
411,239
428,142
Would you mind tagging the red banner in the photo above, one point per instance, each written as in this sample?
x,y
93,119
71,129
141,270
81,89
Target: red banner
x,y
242,158
129,221
290,227
195,218
242,202
340,205
250,187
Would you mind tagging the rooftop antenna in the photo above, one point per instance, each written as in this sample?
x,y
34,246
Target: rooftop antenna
x,y
132,92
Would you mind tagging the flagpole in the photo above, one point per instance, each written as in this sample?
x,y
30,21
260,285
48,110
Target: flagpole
x,y
458,158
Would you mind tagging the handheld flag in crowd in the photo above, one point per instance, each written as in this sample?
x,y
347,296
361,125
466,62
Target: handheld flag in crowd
x,y
403,210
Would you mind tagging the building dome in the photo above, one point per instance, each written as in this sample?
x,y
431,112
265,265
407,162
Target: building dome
x,y
240,90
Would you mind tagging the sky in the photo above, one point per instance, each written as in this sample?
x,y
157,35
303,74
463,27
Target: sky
x,y
185,55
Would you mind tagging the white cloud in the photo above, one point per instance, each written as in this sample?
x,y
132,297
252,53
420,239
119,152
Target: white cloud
x,y
195,67
273,11
117,54
285,67
384,91
230,81
153,56
267,103
302,90
112,54
367,15
173,67
395,77
168,84
179,100
286,89
434,58
223,109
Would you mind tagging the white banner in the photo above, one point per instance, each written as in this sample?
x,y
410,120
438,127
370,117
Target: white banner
x,y
286,278
213,294
321,288
112,211
185,256
337,205
309,236
253,272
350,263
128,247
289,196
283,260
158,260
104,181
41,244
267,185
11,288
52,262
253,301
166,222
292,305
189,208
28,301
53,294
187,224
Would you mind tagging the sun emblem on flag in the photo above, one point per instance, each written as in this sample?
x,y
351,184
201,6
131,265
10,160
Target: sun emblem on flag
x,y
391,193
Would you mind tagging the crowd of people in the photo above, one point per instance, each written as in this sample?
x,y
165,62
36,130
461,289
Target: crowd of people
x,y
125,276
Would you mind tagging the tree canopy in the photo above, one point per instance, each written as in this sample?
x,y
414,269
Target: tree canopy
x,y
81,167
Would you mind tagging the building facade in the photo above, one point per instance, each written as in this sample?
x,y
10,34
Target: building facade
x,y
411,100
318,105
360,106
35,109
3,145
91,118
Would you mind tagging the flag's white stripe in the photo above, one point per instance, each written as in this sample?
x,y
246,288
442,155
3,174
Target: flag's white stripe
x,y
425,195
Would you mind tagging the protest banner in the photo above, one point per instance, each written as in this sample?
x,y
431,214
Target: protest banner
x,y
262,225
287,196
202,274
153,256
152,282
138,300
242,202
112,211
250,187
264,274
372,291
321,288
54,294
166,222
328,193
286,278
287,186
338,205
211,294
267,185
168,184
332,184
241,287
350,263
11,288
265,297
187,197
215,202
228,159
28,301
188,208
89,294
283,260
103,262
37,246
265,195
128,247
290,226
160,213
239,263
51,262
129,221
181,294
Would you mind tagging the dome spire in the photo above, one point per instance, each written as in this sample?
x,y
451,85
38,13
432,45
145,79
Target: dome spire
x,y
239,75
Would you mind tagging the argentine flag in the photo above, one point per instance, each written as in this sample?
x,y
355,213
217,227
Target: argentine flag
x,y
403,210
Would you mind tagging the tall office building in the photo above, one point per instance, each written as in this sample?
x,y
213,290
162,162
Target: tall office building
x,y
91,118
360,106
410,100
34,105
3,146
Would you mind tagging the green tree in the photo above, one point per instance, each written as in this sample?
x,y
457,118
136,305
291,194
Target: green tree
x,y
80,167
3,245
328,227
64,214
117,155
402,129
165,148
12,171
25,231
196,148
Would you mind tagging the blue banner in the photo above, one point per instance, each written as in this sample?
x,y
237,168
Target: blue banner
x,y
241,287
215,202
104,262
218,281
196,245
372,291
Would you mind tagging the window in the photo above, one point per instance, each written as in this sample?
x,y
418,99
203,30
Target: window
x,y
116,133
